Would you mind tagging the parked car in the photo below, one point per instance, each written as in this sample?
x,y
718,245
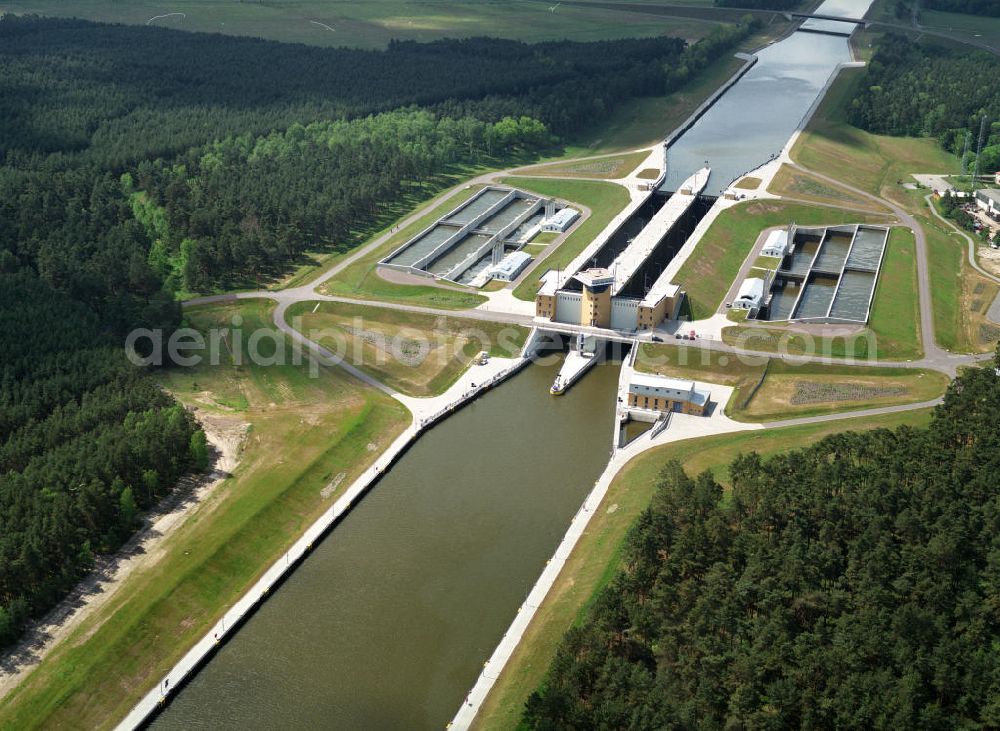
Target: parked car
x,y
657,339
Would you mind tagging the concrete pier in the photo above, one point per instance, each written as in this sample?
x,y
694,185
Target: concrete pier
x,y
576,364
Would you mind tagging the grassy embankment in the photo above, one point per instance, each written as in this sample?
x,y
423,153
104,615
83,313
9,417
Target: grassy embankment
x,y
605,201
596,557
792,183
416,354
880,164
645,121
308,439
893,331
769,389
608,167
373,23
748,183
710,270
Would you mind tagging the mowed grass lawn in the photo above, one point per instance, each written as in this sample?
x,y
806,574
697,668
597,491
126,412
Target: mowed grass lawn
x,y
893,331
419,355
792,183
605,201
710,270
596,557
770,389
607,167
361,280
305,434
373,23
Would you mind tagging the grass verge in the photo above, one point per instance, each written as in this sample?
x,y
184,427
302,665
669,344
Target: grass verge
x,y
647,120
792,183
770,389
960,296
608,167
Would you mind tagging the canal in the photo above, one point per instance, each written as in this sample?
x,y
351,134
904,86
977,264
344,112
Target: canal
x,y
754,119
388,622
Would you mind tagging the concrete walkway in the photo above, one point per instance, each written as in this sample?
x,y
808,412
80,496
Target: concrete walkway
x,y
426,412
681,427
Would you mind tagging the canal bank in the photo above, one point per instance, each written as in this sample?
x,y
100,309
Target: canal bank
x,y
388,620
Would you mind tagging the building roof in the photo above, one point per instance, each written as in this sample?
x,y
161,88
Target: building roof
x,y
649,380
512,262
562,217
777,239
597,277
751,289
992,194
661,288
653,385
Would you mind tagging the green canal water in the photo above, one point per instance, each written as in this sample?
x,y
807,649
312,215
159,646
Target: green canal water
x,y
389,621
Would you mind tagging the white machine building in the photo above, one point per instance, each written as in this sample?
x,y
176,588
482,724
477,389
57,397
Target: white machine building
x,y
511,265
776,244
662,393
560,220
751,294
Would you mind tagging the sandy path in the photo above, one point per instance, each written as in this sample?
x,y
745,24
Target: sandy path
x,y
226,435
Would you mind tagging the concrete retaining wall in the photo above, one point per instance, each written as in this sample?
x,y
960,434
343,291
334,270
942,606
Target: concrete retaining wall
x,y
707,104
